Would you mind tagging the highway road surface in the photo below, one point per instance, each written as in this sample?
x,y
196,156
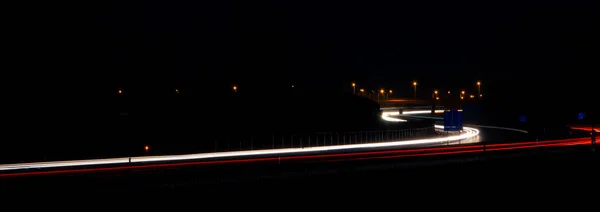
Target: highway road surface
x,y
316,154
468,133
322,158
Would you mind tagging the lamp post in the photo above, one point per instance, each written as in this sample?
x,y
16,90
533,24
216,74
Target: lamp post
x,y
479,88
415,85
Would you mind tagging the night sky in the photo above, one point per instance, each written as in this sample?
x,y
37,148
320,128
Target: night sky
x,y
446,44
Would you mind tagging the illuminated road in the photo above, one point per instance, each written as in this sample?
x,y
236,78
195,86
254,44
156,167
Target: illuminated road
x,y
315,154
467,134
390,154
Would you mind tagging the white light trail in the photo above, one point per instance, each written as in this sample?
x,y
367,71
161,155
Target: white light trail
x,y
421,112
468,133
386,116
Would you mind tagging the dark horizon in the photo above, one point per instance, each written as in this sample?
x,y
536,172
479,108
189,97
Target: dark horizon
x,y
520,50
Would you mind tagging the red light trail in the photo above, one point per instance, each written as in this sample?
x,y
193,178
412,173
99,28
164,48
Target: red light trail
x,y
385,154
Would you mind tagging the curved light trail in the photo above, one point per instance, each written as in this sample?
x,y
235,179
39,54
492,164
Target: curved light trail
x,y
468,133
388,154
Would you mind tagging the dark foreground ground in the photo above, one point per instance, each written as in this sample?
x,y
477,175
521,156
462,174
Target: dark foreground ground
x,y
564,172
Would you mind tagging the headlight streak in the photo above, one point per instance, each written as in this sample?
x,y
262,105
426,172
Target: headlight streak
x,y
468,133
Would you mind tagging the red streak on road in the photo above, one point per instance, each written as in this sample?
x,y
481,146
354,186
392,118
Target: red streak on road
x,y
387,154
585,128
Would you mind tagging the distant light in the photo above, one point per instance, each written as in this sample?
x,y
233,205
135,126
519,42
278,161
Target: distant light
x,y
478,83
472,96
382,91
415,83
463,92
480,95
292,86
120,91
390,91
462,97
448,92
353,84
580,116
437,98
146,148
362,90
176,90
235,88
435,92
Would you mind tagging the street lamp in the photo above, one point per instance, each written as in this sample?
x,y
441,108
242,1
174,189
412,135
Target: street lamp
x,y
478,88
235,88
415,85
353,88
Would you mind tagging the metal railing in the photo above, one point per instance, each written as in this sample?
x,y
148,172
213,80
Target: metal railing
x,y
300,140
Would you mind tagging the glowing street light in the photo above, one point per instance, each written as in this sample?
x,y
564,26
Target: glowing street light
x,y
362,90
479,88
176,90
415,85
146,148
379,94
120,91
353,88
235,88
